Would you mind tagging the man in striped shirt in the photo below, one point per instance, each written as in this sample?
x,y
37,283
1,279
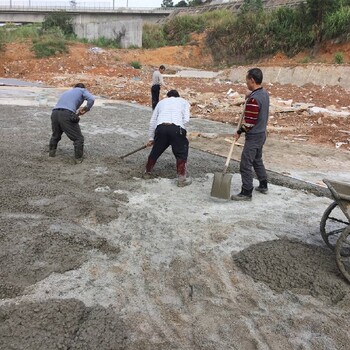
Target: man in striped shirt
x,y
168,128
254,126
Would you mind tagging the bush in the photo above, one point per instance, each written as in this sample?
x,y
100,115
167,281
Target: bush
x,y
2,39
62,20
153,36
339,58
178,29
253,34
49,44
337,24
107,43
136,64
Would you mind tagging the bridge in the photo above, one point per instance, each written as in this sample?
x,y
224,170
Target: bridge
x,y
122,24
30,14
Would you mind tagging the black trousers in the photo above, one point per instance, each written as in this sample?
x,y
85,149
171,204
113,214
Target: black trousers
x,y
65,121
170,135
155,91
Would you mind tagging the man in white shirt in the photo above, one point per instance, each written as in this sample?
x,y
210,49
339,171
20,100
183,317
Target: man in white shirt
x,y
168,128
157,82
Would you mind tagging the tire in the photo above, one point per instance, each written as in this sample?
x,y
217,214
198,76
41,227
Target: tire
x,y
342,253
332,224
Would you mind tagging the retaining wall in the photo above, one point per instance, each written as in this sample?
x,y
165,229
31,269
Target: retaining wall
x,y
300,75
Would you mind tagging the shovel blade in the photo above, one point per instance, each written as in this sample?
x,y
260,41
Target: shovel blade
x,y
221,187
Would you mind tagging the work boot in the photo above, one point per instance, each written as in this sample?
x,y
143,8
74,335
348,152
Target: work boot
x,y
183,181
147,176
150,165
182,178
78,160
52,152
244,195
262,188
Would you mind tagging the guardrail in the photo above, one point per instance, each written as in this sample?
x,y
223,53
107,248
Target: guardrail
x,y
82,9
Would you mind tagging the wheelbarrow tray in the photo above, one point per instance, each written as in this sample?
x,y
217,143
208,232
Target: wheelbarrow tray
x,y
341,193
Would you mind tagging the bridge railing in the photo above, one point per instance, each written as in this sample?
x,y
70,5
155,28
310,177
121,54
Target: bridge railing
x,y
30,5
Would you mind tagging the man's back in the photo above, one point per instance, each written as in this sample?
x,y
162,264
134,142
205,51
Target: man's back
x,y
73,99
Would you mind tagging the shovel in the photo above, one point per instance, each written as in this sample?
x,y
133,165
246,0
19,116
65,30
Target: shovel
x,y
132,152
221,187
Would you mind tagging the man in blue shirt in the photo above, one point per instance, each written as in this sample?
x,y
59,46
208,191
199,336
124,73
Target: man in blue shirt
x,y
65,119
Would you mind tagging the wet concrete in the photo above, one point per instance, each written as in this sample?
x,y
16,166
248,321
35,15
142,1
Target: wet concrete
x,y
94,257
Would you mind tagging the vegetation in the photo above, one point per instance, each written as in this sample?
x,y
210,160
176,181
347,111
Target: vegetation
x,y
232,38
106,43
339,58
182,3
136,64
62,20
153,36
50,43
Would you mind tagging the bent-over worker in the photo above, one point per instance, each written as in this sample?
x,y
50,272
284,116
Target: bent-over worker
x,y
168,128
65,118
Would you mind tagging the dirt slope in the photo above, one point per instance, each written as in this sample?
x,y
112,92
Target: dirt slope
x,y
109,73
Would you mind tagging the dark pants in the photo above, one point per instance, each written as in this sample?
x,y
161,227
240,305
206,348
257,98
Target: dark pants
x,y
165,136
252,158
155,91
64,121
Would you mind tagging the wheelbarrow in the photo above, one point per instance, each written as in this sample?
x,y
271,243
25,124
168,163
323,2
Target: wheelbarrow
x,y
335,224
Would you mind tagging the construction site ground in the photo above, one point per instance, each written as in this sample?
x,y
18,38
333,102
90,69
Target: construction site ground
x,y
95,257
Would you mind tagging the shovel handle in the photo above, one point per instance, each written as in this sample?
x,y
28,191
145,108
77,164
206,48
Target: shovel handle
x,y
132,152
229,155
234,142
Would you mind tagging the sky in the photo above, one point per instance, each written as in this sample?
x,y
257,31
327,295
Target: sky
x,y
86,3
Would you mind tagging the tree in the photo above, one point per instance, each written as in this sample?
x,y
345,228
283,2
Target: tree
x,y
62,20
195,3
318,10
182,3
167,3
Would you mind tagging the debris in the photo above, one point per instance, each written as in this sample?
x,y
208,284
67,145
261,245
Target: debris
x,y
339,144
95,50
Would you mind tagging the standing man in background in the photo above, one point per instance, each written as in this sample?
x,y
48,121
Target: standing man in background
x,y
168,128
254,126
65,119
157,82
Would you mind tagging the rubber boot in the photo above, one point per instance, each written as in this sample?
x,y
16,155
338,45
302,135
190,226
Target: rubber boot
x,y
52,152
182,178
244,195
149,167
78,152
262,188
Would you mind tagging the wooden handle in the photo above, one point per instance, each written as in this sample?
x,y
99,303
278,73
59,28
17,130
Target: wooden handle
x,y
234,142
229,155
132,152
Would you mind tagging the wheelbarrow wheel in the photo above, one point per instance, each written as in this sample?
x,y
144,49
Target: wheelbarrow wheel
x,y
332,224
342,253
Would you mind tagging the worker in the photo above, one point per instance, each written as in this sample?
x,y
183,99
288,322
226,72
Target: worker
x,y
168,128
254,125
65,118
157,82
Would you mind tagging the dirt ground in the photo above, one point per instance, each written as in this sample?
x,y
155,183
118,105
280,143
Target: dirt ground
x,y
94,257
109,73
